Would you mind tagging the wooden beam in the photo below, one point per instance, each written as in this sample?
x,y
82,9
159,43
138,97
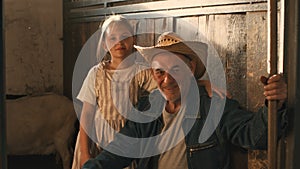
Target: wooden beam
x,y
82,4
239,8
292,64
272,104
3,157
158,6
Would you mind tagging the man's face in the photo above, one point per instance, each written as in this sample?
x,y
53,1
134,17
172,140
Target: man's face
x,y
172,72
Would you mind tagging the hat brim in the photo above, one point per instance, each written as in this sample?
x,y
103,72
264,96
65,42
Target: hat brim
x,y
196,51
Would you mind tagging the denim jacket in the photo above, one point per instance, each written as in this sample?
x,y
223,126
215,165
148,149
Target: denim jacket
x,y
236,126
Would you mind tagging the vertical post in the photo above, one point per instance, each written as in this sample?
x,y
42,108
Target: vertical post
x,y
272,105
3,158
292,64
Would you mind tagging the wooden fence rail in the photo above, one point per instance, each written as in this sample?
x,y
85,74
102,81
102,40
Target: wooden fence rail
x,y
83,11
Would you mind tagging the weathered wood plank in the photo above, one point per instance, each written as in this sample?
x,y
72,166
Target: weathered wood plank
x,y
226,33
256,66
76,36
256,57
146,26
164,24
187,27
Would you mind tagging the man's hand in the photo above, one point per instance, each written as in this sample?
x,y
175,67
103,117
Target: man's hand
x,y
275,88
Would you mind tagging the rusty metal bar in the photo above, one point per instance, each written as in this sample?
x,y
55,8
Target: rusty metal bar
x,y
272,106
3,157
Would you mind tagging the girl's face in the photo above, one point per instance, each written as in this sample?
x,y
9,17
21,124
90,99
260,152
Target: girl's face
x,y
118,40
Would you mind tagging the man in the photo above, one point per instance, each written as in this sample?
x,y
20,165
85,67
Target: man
x,y
181,133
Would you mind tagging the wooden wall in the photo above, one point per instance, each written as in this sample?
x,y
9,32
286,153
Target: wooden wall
x,y
237,29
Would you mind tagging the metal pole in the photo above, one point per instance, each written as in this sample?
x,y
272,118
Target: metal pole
x,y
272,105
3,159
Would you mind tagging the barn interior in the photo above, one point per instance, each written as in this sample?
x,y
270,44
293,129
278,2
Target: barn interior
x,y
48,47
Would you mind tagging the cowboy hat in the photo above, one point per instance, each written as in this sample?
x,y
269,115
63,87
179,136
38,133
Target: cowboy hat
x,y
169,41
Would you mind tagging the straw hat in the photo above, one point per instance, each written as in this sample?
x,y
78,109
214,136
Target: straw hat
x,y
169,41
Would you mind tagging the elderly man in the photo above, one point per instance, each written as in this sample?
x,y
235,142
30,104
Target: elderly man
x,y
177,131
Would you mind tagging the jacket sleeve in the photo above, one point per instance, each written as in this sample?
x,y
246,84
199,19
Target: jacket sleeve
x,y
107,159
247,129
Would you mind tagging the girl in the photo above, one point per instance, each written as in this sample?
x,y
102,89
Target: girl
x,y
108,87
